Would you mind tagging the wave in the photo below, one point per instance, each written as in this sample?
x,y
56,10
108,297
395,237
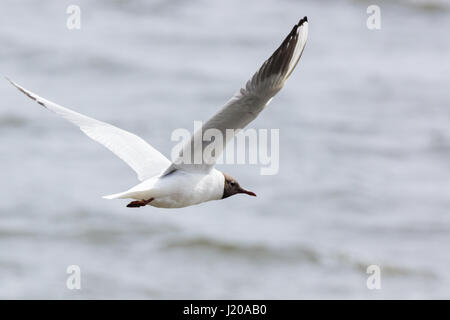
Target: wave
x,y
254,251
12,121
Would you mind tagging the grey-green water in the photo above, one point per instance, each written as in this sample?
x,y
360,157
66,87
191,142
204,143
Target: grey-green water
x,y
364,151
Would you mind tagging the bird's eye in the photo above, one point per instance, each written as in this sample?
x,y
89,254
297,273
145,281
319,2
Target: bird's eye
x,y
232,183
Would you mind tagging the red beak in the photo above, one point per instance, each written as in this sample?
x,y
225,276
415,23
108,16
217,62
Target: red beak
x,y
247,192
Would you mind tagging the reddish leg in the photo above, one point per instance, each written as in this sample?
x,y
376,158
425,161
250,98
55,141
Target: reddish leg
x,y
139,203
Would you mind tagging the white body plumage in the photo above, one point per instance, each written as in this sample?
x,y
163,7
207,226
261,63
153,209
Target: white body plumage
x,y
178,189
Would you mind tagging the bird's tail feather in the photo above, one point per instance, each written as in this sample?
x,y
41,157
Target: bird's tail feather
x,y
121,195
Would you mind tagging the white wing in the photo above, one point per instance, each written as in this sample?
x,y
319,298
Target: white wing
x,y
138,154
247,103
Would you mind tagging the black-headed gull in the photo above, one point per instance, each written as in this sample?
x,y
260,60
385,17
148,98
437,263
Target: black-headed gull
x,y
184,183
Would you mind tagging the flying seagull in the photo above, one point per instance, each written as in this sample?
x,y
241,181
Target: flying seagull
x,y
178,184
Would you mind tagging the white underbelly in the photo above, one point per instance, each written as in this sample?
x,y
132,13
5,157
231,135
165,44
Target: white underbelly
x,y
181,190
174,202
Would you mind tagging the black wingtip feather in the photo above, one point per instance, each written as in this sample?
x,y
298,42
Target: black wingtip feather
x,y
302,21
298,25
279,61
26,93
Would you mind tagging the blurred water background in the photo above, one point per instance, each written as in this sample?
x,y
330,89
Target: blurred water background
x,y
364,151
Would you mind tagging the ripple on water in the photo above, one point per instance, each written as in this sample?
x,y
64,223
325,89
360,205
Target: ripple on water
x,y
251,251
12,121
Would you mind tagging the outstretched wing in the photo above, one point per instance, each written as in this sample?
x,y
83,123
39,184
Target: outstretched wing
x,y
247,103
138,154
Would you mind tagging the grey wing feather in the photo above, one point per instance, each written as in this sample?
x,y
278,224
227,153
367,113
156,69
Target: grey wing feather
x,y
247,103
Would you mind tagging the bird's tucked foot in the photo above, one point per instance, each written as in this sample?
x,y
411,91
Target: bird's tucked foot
x,y
139,203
